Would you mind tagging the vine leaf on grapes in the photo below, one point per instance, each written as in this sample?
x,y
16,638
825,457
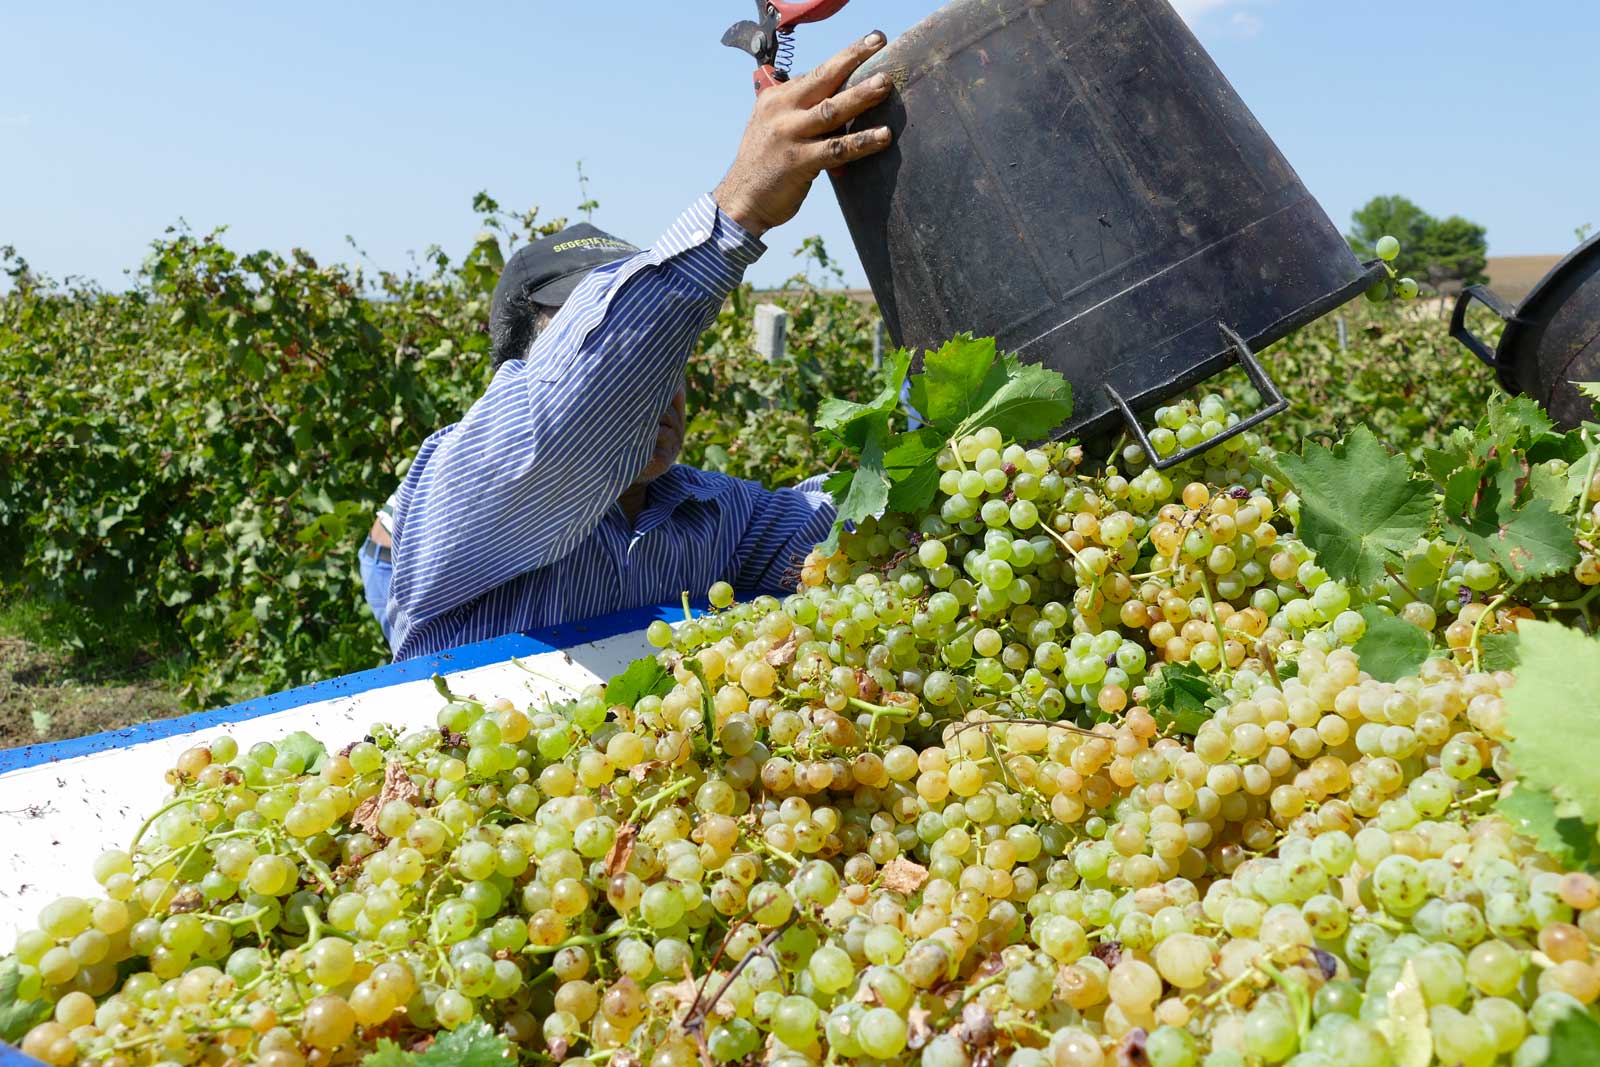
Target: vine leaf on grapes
x,y
866,494
1182,696
17,1016
952,383
1517,422
1589,389
644,677
473,1045
851,422
1392,648
1568,841
1527,542
308,748
1360,508
1028,404
388,1054
1556,482
1407,1024
913,474
1574,1041
961,388
1551,711
1455,453
1498,652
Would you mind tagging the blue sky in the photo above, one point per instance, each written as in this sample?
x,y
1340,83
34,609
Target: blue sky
x,y
296,124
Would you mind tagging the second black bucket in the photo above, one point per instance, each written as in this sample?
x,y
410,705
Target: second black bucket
x,y
1078,179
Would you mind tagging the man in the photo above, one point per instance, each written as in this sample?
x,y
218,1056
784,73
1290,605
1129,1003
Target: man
x,y
534,284
557,496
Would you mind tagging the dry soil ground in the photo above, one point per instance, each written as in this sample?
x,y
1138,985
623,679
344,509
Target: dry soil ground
x,y
47,695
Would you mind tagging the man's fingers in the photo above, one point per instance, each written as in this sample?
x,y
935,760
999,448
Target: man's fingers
x,y
837,151
826,79
834,111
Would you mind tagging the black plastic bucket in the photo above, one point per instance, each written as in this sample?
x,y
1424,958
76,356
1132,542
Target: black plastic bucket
x,y
1551,339
1078,179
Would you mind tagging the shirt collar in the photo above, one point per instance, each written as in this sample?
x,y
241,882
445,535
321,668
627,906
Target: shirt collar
x,y
673,489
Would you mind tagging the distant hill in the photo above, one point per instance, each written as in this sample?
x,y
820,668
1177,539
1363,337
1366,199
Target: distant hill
x,y
1512,277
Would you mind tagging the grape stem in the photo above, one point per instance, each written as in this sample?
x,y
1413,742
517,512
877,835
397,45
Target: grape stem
x,y
572,942
1477,625
567,686
178,803
1211,610
1400,581
1438,587
647,806
1583,490
1250,972
315,868
694,1021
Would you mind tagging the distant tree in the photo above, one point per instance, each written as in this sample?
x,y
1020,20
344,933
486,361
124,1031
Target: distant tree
x,y
1457,249
1440,252
1584,231
1397,217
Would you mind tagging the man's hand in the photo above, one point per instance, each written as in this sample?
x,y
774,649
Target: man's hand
x,y
790,139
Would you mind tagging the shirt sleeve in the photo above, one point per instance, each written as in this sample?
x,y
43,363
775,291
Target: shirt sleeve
x,y
535,464
785,525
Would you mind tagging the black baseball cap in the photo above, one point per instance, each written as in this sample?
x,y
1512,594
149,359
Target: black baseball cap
x,y
548,270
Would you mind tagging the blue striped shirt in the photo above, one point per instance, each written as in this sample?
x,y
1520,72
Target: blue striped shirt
x,y
509,520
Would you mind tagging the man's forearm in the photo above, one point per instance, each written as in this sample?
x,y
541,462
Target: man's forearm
x,y
535,464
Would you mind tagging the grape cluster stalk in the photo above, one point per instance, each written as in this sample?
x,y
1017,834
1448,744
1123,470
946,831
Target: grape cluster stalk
x,y
939,806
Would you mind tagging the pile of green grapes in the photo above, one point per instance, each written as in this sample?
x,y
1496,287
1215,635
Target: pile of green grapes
x,y
928,809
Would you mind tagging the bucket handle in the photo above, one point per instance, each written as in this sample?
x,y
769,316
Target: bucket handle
x,y
1458,321
1242,354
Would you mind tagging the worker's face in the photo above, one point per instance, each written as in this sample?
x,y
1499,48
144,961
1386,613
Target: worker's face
x,y
669,439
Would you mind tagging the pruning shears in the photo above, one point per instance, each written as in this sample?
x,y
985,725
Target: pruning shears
x,y
770,37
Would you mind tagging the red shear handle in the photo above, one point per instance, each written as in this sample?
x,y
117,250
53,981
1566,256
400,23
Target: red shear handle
x,y
794,12
766,78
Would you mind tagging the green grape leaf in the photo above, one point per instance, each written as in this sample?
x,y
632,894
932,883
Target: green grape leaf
x,y
307,748
1181,696
1568,841
1589,389
867,492
1515,421
913,474
1574,1041
1030,402
1406,1026
963,387
954,381
644,677
473,1045
855,423
1459,490
388,1054
1456,451
1392,648
1556,483
17,1016
1551,712
1527,542
1497,652
1360,507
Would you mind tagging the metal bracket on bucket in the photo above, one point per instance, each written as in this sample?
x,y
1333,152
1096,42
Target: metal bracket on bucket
x,y
1258,377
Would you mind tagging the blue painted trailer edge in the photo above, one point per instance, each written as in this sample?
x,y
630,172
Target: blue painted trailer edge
x,y
498,650
10,1057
